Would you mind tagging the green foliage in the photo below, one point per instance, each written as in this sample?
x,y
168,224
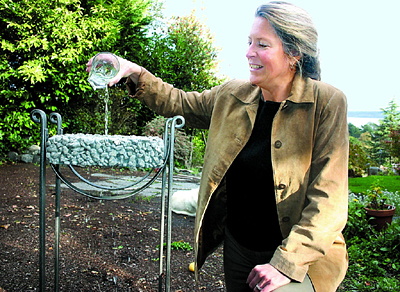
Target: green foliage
x,y
179,245
182,53
387,132
199,147
127,116
358,158
373,256
354,131
44,48
16,130
375,197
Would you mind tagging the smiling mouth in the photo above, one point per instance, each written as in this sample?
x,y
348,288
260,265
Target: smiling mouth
x,y
253,66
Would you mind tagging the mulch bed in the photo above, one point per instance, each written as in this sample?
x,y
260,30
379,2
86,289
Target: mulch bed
x,y
104,245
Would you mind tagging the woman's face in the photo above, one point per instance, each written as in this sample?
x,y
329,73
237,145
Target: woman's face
x,y
269,65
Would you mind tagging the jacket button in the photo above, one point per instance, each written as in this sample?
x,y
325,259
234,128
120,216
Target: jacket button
x,y
281,186
285,219
278,144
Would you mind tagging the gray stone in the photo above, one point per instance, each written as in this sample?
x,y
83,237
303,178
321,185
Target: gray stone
x,y
13,156
36,159
100,150
27,158
374,170
34,150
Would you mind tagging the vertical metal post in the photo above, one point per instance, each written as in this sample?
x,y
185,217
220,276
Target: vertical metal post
x,y
170,167
169,140
166,138
160,275
38,116
55,118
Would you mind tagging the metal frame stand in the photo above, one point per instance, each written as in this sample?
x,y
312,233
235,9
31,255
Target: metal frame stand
x,y
166,169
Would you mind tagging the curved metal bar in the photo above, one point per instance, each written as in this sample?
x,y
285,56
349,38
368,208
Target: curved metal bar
x,y
55,118
39,116
116,197
109,188
120,188
175,120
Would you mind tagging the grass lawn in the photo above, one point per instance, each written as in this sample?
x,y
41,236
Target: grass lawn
x,y
390,183
361,184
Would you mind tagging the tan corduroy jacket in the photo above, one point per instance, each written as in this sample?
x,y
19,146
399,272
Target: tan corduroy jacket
x,y
309,151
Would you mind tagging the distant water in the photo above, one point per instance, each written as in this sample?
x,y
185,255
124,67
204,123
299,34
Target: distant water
x,y
359,118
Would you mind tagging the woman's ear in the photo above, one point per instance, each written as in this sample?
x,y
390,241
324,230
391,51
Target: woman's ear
x,y
293,60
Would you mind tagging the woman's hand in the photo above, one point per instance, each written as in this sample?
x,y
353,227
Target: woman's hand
x,y
265,278
126,68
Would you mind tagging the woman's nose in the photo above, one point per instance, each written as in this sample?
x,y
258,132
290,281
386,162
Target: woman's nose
x,y
250,52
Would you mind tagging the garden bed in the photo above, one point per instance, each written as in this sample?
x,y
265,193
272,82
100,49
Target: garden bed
x,y
105,246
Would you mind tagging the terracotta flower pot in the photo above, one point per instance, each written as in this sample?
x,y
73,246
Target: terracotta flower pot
x,y
380,219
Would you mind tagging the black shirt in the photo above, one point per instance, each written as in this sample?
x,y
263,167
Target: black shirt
x,y
252,214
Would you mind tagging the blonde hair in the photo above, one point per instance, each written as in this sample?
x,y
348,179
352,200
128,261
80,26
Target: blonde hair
x,y
298,34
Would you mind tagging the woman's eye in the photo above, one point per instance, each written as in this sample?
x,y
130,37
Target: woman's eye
x,y
262,45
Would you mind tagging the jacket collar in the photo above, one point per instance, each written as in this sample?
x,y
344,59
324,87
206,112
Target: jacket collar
x,y
302,91
247,93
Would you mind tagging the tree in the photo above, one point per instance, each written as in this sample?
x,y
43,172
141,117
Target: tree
x,y
371,144
354,131
369,127
385,133
182,53
44,48
358,158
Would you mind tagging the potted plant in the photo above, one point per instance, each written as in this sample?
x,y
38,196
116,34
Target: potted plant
x,y
379,212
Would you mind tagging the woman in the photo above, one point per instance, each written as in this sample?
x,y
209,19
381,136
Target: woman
x,y
274,183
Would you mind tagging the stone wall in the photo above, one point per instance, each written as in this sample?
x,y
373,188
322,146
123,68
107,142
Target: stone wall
x,y
32,155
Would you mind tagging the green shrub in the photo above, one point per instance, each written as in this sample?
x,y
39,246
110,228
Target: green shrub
x,y
198,150
373,256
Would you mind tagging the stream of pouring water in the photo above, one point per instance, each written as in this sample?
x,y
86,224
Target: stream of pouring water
x,y
106,100
104,94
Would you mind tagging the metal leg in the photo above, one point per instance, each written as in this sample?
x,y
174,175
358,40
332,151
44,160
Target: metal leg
x,y
162,224
170,167
55,118
39,116
57,235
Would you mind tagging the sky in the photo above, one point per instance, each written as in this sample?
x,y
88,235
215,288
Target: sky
x,y
358,41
